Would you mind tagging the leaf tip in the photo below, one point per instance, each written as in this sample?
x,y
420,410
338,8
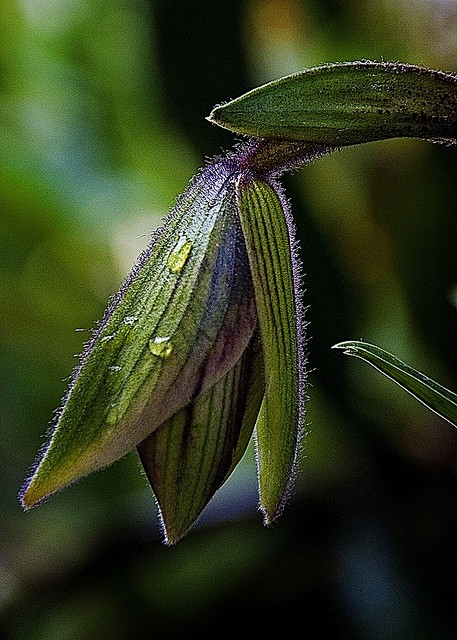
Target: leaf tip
x,y
170,539
43,483
273,506
270,516
29,497
172,530
214,116
349,347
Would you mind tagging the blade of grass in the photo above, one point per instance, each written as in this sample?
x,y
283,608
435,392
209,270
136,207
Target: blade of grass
x,y
437,398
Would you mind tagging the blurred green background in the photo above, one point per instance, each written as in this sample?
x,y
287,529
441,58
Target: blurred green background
x,y
102,123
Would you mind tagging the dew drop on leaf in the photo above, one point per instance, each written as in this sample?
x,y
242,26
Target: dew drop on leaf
x,y
179,256
161,346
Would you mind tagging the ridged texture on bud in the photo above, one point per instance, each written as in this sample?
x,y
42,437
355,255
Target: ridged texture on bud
x,y
182,320
270,239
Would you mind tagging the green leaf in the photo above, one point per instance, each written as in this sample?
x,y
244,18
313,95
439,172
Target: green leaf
x,y
189,457
274,270
348,103
181,321
433,395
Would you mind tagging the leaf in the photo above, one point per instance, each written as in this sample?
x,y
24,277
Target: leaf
x,y
180,322
430,393
188,458
274,266
348,103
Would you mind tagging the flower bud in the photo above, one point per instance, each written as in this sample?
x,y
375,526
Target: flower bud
x,y
181,321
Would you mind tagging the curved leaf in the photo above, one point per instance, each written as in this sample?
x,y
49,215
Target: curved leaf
x,y
348,103
430,393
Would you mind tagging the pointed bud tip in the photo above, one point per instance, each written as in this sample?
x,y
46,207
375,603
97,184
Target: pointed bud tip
x,y
27,499
36,491
172,535
214,117
271,515
171,540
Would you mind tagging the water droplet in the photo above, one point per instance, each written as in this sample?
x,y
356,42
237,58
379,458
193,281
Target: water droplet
x,y
161,346
108,338
178,257
114,368
130,320
118,409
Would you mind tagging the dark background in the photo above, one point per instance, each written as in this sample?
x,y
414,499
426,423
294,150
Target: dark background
x,y
102,123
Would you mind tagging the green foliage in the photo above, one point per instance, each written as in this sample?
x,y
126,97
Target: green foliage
x,y
349,103
103,107
173,331
353,103
175,352
433,395
281,420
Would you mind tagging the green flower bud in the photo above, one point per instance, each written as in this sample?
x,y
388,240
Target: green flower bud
x,y
204,344
201,346
181,321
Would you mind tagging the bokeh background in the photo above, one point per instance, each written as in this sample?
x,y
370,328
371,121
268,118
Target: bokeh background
x,y
102,124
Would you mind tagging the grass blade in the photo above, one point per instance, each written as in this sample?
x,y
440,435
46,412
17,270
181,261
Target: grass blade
x,y
440,400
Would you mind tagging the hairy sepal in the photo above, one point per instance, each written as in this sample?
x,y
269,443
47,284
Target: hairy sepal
x,y
274,265
180,322
189,457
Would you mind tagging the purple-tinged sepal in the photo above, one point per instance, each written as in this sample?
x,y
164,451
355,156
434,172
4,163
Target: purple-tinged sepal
x,y
181,321
189,457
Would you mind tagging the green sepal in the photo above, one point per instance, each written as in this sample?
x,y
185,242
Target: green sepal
x,y
189,457
437,398
181,321
270,245
348,103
